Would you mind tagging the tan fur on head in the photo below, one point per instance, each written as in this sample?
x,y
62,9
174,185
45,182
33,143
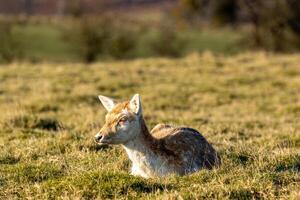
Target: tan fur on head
x,y
122,120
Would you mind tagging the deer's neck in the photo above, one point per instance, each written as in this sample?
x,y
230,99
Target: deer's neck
x,y
143,143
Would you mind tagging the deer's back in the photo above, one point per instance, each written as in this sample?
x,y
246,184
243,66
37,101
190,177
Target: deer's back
x,y
185,148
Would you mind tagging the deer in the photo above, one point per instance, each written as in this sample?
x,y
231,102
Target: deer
x,y
165,150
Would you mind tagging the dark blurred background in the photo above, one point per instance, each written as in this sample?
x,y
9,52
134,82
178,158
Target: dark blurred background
x,y
91,30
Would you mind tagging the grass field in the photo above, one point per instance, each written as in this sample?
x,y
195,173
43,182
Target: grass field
x,y
247,106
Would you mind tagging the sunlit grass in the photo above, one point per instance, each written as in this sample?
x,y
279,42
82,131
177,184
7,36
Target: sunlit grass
x,y
247,106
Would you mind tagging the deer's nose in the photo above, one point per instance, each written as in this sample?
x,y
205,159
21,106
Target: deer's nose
x,y
98,137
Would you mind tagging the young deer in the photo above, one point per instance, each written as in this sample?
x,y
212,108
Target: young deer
x,y
164,150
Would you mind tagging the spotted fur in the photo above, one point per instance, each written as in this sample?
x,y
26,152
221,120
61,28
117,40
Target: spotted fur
x,y
165,150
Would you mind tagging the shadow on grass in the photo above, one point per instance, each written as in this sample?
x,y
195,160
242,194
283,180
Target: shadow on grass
x,y
291,163
33,122
8,159
245,193
105,185
281,179
35,173
2,182
241,158
43,108
97,147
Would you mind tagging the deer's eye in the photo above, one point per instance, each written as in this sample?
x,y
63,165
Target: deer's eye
x,y
123,120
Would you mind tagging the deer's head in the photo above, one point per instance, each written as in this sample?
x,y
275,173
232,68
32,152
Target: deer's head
x,y
122,122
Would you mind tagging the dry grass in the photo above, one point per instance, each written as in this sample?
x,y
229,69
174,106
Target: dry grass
x,y
248,106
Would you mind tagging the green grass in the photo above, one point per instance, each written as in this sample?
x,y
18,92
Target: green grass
x,y
45,41
247,106
219,41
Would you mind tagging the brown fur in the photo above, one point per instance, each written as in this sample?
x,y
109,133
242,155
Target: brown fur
x,y
113,117
179,150
170,142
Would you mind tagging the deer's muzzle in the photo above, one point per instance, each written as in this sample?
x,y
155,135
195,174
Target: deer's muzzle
x,y
98,138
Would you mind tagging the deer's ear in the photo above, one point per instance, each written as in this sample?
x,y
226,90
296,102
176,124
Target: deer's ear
x,y
135,104
107,102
